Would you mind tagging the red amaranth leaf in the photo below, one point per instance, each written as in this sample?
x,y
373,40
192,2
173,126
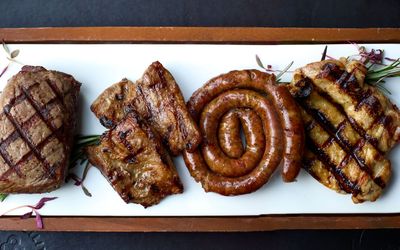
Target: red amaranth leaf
x,y
27,215
39,205
43,201
39,221
74,177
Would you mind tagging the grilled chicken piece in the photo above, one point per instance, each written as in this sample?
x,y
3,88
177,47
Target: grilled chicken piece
x,y
350,127
133,159
37,123
157,99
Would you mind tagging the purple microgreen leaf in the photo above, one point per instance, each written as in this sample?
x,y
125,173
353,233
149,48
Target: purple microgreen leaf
x,y
14,54
39,221
27,215
77,180
43,201
329,57
324,53
39,205
391,59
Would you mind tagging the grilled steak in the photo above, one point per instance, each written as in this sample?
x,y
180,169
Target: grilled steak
x,y
157,99
133,159
37,120
350,126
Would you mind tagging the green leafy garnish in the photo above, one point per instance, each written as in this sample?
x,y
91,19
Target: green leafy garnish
x,y
3,197
81,142
78,156
377,75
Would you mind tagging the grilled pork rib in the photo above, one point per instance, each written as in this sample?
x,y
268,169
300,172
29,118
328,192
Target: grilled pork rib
x,y
350,126
37,121
157,99
133,159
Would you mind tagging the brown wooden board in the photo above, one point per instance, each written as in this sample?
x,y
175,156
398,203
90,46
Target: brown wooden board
x,y
201,35
198,35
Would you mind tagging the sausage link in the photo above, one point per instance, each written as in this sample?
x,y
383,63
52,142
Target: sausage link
x,y
216,160
229,134
271,123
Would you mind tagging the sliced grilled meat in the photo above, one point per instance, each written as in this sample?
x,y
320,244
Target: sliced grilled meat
x,y
133,159
37,120
350,126
157,99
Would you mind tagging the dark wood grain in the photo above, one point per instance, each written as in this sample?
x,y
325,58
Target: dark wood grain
x,y
201,35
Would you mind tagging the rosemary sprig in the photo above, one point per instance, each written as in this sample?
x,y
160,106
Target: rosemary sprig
x,y
377,70
78,155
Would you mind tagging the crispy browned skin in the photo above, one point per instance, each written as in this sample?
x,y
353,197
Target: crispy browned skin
x,y
349,126
157,99
37,123
272,126
133,159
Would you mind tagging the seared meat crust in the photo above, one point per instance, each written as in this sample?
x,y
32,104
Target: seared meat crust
x,y
350,127
134,161
157,99
37,123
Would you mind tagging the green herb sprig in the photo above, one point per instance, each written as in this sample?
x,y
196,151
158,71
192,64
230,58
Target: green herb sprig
x,y
78,157
377,69
268,68
376,76
81,142
3,197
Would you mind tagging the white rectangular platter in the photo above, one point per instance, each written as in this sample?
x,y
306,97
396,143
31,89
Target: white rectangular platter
x,y
98,66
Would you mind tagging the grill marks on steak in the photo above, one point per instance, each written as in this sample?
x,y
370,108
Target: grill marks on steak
x,y
157,99
36,130
143,117
133,159
349,128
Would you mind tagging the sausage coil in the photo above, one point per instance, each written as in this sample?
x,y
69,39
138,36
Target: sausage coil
x,y
270,119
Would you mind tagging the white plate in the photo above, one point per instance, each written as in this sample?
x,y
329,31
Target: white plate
x,y
98,66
